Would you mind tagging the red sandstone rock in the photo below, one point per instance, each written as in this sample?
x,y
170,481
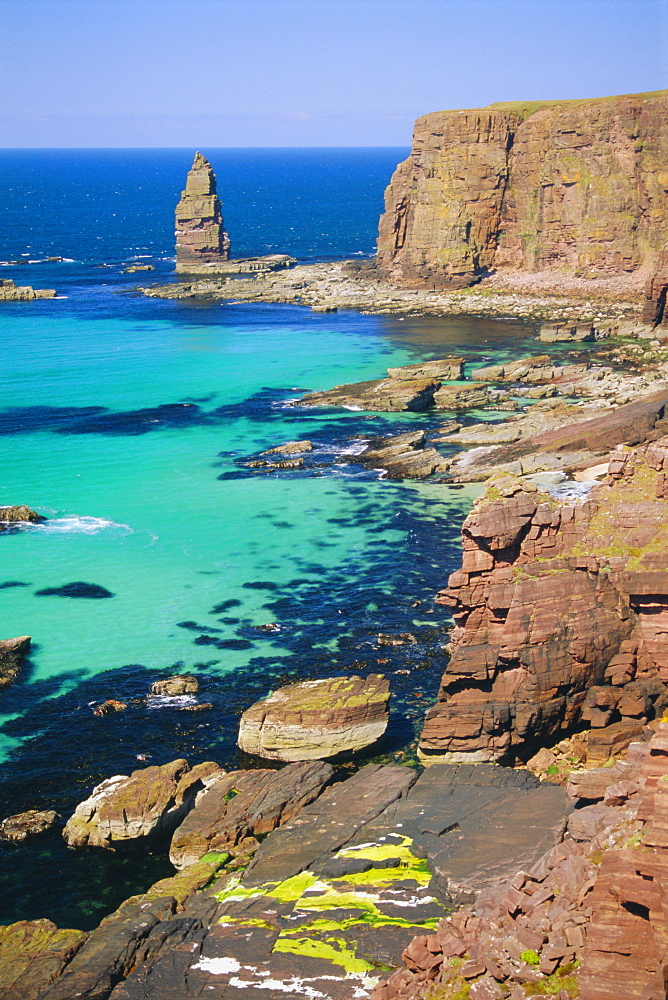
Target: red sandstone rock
x,y
552,600
200,232
530,188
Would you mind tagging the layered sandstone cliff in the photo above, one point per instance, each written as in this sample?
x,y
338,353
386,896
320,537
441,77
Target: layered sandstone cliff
x,y
574,187
200,231
561,612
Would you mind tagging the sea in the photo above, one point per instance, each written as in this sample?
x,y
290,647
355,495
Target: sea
x,y
126,420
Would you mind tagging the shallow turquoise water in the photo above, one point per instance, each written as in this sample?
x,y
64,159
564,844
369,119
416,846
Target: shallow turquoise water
x,y
124,421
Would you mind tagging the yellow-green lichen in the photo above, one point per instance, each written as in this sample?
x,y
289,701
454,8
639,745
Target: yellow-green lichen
x,y
333,950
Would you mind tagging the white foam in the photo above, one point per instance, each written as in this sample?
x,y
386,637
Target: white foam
x,y
170,701
76,525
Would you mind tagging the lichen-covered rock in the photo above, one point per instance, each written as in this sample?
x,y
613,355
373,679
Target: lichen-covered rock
x,y
132,813
317,719
12,655
243,804
530,187
27,824
200,232
553,600
32,954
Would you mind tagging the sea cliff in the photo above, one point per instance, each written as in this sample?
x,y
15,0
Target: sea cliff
x,y
575,188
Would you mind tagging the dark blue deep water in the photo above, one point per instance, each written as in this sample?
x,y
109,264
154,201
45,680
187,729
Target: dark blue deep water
x,y
125,420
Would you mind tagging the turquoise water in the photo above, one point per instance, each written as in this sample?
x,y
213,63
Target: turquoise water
x,y
125,421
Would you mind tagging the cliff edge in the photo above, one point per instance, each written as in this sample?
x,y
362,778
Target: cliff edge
x,y
577,188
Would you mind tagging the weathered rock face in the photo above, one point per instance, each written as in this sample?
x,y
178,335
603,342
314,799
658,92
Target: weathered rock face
x,y
200,232
317,719
574,186
403,456
12,654
555,600
656,289
131,813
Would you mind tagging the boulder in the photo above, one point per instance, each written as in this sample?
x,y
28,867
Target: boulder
x,y
12,654
317,719
243,804
289,448
27,824
403,456
176,685
132,813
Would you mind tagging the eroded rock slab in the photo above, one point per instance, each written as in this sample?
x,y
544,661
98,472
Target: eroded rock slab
x,y
317,719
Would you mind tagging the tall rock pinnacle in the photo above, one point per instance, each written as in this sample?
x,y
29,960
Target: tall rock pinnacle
x,y
200,232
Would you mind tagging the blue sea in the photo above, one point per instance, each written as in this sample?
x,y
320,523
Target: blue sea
x,y
125,421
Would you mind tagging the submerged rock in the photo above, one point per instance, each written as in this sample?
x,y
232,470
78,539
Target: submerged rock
x,y
317,719
133,812
78,589
12,654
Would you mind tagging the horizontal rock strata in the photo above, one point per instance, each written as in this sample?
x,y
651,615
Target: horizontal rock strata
x,y
316,719
200,232
575,187
558,607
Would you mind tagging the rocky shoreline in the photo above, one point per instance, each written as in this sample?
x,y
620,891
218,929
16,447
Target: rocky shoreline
x,y
328,287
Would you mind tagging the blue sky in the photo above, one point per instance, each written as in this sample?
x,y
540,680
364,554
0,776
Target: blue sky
x,y
304,72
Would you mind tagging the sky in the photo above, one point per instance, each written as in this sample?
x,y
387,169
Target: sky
x,y
184,73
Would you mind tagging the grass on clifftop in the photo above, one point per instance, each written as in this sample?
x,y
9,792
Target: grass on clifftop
x,y
527,108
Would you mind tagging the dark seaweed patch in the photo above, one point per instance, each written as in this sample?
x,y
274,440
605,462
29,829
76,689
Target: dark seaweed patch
x,y
209,640
194,627
98,420
260,585
225,605
76,589
12,583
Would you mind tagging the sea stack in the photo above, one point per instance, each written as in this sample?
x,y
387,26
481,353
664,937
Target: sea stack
x,y
200,232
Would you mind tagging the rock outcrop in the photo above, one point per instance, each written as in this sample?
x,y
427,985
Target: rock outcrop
x,y
12,655
17,514
32,954
561,612
570,187
655,313
317,719
200,232
587,920
11,292
133,813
